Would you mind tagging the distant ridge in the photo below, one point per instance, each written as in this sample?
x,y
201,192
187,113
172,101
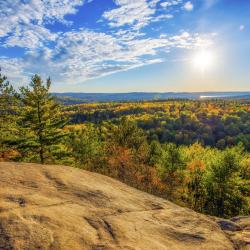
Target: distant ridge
x,y
73,97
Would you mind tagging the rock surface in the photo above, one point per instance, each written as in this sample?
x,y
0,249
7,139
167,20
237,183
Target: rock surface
x,y
58,207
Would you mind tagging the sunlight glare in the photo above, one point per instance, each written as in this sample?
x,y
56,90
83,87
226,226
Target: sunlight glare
x,y
203,60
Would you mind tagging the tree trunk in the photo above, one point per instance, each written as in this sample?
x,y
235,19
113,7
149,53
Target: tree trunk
x,y
41,155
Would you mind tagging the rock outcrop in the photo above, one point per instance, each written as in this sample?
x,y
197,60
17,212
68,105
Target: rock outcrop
x,y
58,207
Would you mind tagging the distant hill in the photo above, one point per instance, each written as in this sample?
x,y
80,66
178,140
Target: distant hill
x,y
58,207
76,98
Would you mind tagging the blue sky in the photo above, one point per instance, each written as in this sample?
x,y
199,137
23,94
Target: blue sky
x,y
127,45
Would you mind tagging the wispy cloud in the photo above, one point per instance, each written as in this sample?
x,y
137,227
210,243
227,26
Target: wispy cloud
x,y
16,12
30,36
188,6
83,54
242,27
76,55
167,4
15,68
137,13
131,12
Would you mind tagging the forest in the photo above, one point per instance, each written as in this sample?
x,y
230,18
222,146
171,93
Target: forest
x,y
217,123
194,153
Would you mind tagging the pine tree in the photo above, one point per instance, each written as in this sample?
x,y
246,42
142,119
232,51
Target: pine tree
x,y
172,169
8,115
226,189
86,148
155,153
128,135
41,122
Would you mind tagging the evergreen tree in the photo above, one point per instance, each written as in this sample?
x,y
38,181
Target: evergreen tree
x,y
41,122
226,189
172,169
86,148
155,153
195,185
128,135
8,115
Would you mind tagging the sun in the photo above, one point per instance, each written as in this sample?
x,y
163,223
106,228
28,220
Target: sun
x,y
203,60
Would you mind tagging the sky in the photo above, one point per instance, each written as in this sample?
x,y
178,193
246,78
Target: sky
x,y
127,45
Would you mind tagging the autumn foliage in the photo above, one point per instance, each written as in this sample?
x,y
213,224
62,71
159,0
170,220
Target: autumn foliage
x,y
194,153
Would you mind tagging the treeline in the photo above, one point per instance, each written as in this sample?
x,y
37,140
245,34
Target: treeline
x,y
214,123
208,180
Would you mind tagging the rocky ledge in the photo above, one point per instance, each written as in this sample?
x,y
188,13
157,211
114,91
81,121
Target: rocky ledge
x,y
58,207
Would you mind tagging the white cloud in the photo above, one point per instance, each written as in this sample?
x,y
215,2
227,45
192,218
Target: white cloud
x,y
188,6
131,12
137,13
29,36
167,4
162,17
82,55
19,12
74,56
13,68
242,27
